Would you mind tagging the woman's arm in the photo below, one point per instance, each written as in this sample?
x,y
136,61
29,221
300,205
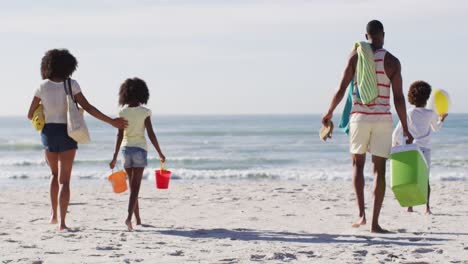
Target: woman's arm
x,y
152,137
119,123
117,148
34,104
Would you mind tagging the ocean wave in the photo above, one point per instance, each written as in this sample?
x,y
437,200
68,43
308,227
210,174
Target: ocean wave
x,y
340,173
20,145
207,162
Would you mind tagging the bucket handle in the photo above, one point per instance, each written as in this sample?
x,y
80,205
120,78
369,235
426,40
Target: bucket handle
x,y
163,166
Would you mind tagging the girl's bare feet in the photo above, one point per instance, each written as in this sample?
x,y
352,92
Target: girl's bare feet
x,y
360,222
410,209
129,225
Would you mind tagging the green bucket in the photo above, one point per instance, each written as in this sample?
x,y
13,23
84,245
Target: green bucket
x,y
409,175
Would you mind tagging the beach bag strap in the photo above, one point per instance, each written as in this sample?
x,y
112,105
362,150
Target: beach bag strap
x,y
68,91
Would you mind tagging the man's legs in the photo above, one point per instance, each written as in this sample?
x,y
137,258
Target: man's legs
x,y
358,181
379,192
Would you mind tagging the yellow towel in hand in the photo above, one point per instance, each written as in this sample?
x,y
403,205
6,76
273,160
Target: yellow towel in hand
x,y
38,119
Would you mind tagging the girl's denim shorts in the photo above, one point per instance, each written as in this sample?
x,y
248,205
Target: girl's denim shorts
x,y
134,157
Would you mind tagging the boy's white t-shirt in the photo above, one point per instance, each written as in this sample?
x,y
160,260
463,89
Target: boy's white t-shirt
x,y
421,123
54,100
134,134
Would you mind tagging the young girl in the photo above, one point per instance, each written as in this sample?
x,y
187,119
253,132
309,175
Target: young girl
x,y
133,93
57,66
421,123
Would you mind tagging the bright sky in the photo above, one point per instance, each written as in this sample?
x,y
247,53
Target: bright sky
x,y
227,57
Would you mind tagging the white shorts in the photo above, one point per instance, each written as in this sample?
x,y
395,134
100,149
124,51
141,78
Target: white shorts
x,y
372,137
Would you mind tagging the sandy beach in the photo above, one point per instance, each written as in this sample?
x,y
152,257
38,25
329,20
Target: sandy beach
x,y
236,222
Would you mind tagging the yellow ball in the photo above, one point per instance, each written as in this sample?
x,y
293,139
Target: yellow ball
x,y
441,101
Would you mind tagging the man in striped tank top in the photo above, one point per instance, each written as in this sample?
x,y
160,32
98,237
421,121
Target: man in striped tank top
x,y
370,124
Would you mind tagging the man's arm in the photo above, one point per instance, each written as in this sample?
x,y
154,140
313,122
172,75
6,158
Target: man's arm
x,y
398,97
348,75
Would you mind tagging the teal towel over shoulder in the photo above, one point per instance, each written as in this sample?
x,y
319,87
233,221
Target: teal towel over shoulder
x,y
365,72
344,121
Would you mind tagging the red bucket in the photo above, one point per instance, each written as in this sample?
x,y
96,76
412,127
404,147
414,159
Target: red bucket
x,y
162,177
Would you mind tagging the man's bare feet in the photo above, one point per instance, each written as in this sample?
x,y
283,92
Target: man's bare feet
x,y
53,220
410,209
129,225
63,228
360,222
138,221
378,229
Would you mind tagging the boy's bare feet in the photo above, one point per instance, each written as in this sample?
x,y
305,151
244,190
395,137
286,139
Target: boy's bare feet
x,y
378,229
428,211
360,222
129,225
410,209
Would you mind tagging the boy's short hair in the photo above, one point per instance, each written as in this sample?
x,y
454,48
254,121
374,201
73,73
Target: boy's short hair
x,y
133,90
58,63
419,92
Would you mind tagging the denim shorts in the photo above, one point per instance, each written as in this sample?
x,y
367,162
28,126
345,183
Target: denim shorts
x,y
55,138
134,157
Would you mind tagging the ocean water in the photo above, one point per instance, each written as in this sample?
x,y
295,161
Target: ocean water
x,y
225,148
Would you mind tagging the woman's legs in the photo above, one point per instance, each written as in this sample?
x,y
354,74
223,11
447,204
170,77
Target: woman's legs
x,y
52,160
135,176
66,159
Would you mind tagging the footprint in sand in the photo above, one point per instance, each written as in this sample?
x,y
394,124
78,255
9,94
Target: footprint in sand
x,y
177,253
361,253
423,250
283,257
28,246
229,260
257,257
309,254
107,248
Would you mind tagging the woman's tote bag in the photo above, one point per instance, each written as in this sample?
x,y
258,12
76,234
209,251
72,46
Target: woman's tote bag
x,y
76,125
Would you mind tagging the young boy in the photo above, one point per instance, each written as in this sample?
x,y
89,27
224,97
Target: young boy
x,y
421,123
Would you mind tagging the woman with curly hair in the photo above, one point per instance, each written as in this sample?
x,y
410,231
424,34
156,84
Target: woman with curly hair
x,y
56,68
421,123
132,95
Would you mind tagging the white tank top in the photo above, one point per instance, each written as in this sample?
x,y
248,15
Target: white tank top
x,y
379,109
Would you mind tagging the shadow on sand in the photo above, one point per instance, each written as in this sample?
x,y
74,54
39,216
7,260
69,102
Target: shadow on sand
x,y
257,235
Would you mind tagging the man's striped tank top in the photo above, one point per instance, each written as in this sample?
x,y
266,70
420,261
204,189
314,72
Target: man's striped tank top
x,y
379,109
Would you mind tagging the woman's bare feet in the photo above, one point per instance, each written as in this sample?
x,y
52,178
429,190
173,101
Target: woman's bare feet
x,y
410,209
360,222
129,225
138,221
378,229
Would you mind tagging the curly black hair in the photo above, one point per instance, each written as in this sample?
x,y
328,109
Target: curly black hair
x,y
133,91
58,63
419,92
